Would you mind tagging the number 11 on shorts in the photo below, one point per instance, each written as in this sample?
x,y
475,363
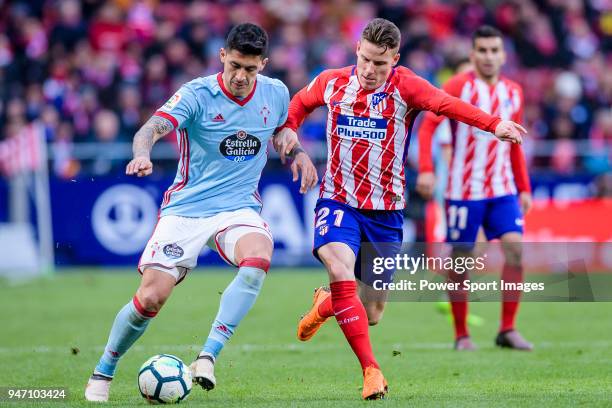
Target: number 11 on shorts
x,y
457,217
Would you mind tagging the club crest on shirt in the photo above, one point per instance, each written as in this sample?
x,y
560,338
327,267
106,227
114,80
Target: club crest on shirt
x,y
173,101
265,112
378,98
323,230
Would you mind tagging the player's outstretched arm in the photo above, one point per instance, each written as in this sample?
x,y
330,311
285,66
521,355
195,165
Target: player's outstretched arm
x,y
153,130
424,96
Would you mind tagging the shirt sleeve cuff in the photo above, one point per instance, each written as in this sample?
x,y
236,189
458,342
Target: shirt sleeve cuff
x,y
494,125
165,115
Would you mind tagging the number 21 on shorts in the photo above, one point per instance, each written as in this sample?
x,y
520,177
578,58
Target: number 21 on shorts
x,y
322,217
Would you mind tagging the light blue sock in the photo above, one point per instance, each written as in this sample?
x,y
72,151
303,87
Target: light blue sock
x,y
236,301
127,328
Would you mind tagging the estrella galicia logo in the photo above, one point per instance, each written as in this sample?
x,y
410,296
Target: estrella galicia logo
x,y
240,147
378,98
173,251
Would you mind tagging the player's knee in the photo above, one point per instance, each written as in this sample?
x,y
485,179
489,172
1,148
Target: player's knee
x,y
263,254
514,254
150,299
514,259
254,245
339,271
155,288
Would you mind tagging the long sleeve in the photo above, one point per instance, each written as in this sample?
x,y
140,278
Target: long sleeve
x,y
430,123
421,95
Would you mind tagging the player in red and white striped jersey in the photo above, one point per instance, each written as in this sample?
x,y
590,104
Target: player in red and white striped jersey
x,y
368,131
484,179
372,106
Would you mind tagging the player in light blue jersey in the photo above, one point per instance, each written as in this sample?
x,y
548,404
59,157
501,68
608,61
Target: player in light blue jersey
x,y
223,123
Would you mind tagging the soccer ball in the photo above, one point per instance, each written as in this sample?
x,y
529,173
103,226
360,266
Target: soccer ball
x,y
164,379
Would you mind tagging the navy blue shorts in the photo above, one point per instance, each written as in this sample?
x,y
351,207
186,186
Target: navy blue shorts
x,y
497,216
369,233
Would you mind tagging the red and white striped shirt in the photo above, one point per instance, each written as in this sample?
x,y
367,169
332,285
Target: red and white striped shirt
x,y
368,131
23,151
481,166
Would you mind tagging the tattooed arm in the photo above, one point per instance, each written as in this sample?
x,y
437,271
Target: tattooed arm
x,y
155,128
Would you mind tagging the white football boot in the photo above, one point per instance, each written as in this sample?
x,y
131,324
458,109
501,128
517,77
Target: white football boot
x,y
203,371
98,388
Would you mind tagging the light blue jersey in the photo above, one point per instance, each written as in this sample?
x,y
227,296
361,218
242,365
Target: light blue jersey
x,y
223,144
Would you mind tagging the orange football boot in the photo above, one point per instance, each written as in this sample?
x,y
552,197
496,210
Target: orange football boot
x,y
311,322
374,384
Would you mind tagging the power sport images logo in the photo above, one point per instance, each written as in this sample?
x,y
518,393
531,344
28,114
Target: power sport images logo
x,y
240,146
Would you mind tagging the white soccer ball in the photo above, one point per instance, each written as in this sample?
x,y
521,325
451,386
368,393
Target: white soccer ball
x,y
164,379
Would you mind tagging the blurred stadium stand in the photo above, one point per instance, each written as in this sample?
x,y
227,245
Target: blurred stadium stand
x,y
91,72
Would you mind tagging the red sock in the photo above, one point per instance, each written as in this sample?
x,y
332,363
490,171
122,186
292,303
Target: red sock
x,y
325,309
459,305
510,298
460,312
353,321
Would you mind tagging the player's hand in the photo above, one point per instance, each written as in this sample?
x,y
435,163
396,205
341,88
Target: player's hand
x,y
425,184
140,166
525,201
302,164
284,142
509,131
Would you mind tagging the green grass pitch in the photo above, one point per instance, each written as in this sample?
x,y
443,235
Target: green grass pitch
x,y
45,322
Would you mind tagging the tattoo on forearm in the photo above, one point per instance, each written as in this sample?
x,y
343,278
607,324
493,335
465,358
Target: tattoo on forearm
x,y
155,128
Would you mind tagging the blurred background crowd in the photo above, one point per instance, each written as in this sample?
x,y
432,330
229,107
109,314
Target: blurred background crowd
x,y
94,71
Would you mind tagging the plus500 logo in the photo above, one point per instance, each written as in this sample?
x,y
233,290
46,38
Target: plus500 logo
x,y
362,128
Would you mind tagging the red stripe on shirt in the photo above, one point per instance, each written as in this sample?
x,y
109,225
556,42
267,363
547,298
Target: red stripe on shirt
x,y
181,143
335,168
184,168
491,146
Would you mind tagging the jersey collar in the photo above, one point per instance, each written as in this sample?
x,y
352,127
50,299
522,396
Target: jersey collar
x,y
473,75
227,93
